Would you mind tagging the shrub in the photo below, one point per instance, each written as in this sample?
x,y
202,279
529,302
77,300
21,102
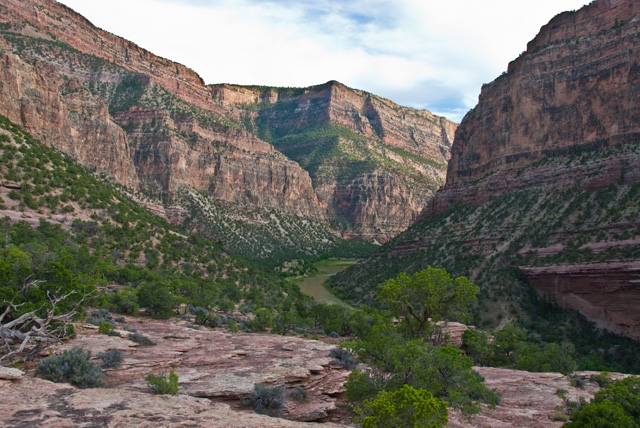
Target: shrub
x,y
616,405
603,380
124,301
299,395
162,384
266,399
406,407
111,358
343,358
578,381
559,416
100,316
73,366
157,299
105,328
142,340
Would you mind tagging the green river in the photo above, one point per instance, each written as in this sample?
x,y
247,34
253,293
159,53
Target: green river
x,y
312,285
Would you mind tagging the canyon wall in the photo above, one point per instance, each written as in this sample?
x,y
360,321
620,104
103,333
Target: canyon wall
x,y
62,113
153,125
575,89
373,163
608,293
543,186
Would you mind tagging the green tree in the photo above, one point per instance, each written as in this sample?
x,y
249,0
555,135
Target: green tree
x,y
617,405
427,297
407,407
605,414
394,361
262,320
476,344
157,299
506,345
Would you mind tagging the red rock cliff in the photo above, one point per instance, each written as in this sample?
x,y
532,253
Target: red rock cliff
x,y
149,121
362,178
575,88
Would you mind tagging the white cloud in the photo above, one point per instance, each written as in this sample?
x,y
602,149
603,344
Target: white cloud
x,y
422,53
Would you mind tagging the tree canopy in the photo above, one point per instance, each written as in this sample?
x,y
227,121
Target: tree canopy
x,y
406,407
427,297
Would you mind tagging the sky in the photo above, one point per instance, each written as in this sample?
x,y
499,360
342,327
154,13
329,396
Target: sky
x,y
432,54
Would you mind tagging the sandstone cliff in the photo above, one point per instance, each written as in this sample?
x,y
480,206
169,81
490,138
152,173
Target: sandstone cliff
x,y
543,184
153,125
373,163
62,113
575,89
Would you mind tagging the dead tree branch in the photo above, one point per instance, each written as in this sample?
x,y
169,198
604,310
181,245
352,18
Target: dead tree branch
x,y
30,332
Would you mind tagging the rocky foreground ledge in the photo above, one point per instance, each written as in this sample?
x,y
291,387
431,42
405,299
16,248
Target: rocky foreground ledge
x,y
217,368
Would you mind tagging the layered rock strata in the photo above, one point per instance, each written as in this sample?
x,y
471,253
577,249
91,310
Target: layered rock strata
x,y
153,124
543,172
373,162
62,113
575,89
220,365
608,293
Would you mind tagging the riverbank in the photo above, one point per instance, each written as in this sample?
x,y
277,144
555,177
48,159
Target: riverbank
x,y
313,285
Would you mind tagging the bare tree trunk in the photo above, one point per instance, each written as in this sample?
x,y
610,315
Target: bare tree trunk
x,y
30,333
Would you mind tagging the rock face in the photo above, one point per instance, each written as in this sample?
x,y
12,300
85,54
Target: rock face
x,y
36,402
575,89
63,114
373,163
543,176
527,400
608,293
152,124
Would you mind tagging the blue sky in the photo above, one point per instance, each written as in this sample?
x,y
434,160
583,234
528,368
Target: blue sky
x,y
419,53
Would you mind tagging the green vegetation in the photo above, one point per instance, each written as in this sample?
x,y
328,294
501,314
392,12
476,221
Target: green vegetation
x,y
266,399
73,367
426,297
141,339
267,237
402,355
111,358
406,407
156,267
617,405
165,385
128,92
332,152
511,349
490,242
56,50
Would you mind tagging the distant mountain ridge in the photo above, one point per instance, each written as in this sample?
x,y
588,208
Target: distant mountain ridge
x,y
153,125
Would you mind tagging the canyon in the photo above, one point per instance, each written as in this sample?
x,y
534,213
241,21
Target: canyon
x,y
346,162
573,90
547,159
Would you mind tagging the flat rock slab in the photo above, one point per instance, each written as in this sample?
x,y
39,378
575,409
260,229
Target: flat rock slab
x,y
39,403
8,373
217,364
528,400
